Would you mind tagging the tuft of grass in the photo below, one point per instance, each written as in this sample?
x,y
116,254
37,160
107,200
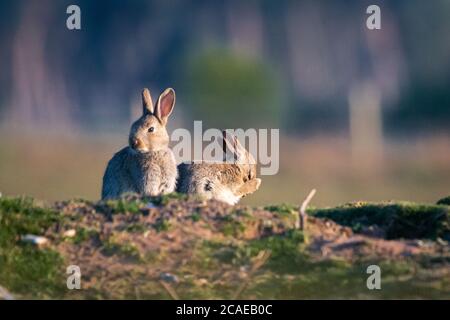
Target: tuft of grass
x,y
232,226
126,250
123,206
136,228
162,225
282,209
287,252
83,234
243,212
195,217
164,199
398,219
210,254
21,216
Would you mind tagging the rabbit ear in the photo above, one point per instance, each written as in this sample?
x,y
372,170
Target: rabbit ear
x,y
232,144
147,103
165,104
240,151
228,144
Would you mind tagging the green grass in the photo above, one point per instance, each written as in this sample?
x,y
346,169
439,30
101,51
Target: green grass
x,y
196,217
164,199
125,250
83,234
333,279
132,203
399,220
282,209
232,226
122,206
291,272
25,269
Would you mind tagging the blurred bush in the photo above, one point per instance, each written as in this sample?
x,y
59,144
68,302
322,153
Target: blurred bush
x,y
227,90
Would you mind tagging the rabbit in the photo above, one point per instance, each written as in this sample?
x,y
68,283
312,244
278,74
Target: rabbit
x,y
147,165
226,182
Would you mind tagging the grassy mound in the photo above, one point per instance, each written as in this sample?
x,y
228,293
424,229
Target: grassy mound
x,y
397,219
179,247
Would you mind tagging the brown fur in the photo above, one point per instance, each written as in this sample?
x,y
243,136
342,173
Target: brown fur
x,y
147,166
227,182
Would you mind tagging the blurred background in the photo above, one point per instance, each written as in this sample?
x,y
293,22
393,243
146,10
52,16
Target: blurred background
x,y
363,114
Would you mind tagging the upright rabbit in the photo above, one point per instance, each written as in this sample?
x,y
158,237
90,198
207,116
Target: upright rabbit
x,y
146,166
226,182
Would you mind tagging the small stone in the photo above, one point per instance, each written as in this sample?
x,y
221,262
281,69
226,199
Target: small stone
x,y
168,277
70,233
201,282
36,240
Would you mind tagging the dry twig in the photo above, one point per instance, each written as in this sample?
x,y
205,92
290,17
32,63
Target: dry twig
x,y
302,216
170,290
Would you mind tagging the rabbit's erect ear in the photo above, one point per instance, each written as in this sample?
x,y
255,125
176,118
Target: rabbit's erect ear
x,y
147,102
165,104
240,150
227,143
232,144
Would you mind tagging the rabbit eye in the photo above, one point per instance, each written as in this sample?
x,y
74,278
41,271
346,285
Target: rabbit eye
x,y
151,129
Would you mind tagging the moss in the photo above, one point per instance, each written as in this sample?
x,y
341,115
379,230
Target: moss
x,y
397,219
24,268
444,201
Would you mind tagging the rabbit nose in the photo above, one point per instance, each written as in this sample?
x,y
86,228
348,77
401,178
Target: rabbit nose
x,y
135,143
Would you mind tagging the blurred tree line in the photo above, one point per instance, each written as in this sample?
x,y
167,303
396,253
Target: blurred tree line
x,y
288,64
